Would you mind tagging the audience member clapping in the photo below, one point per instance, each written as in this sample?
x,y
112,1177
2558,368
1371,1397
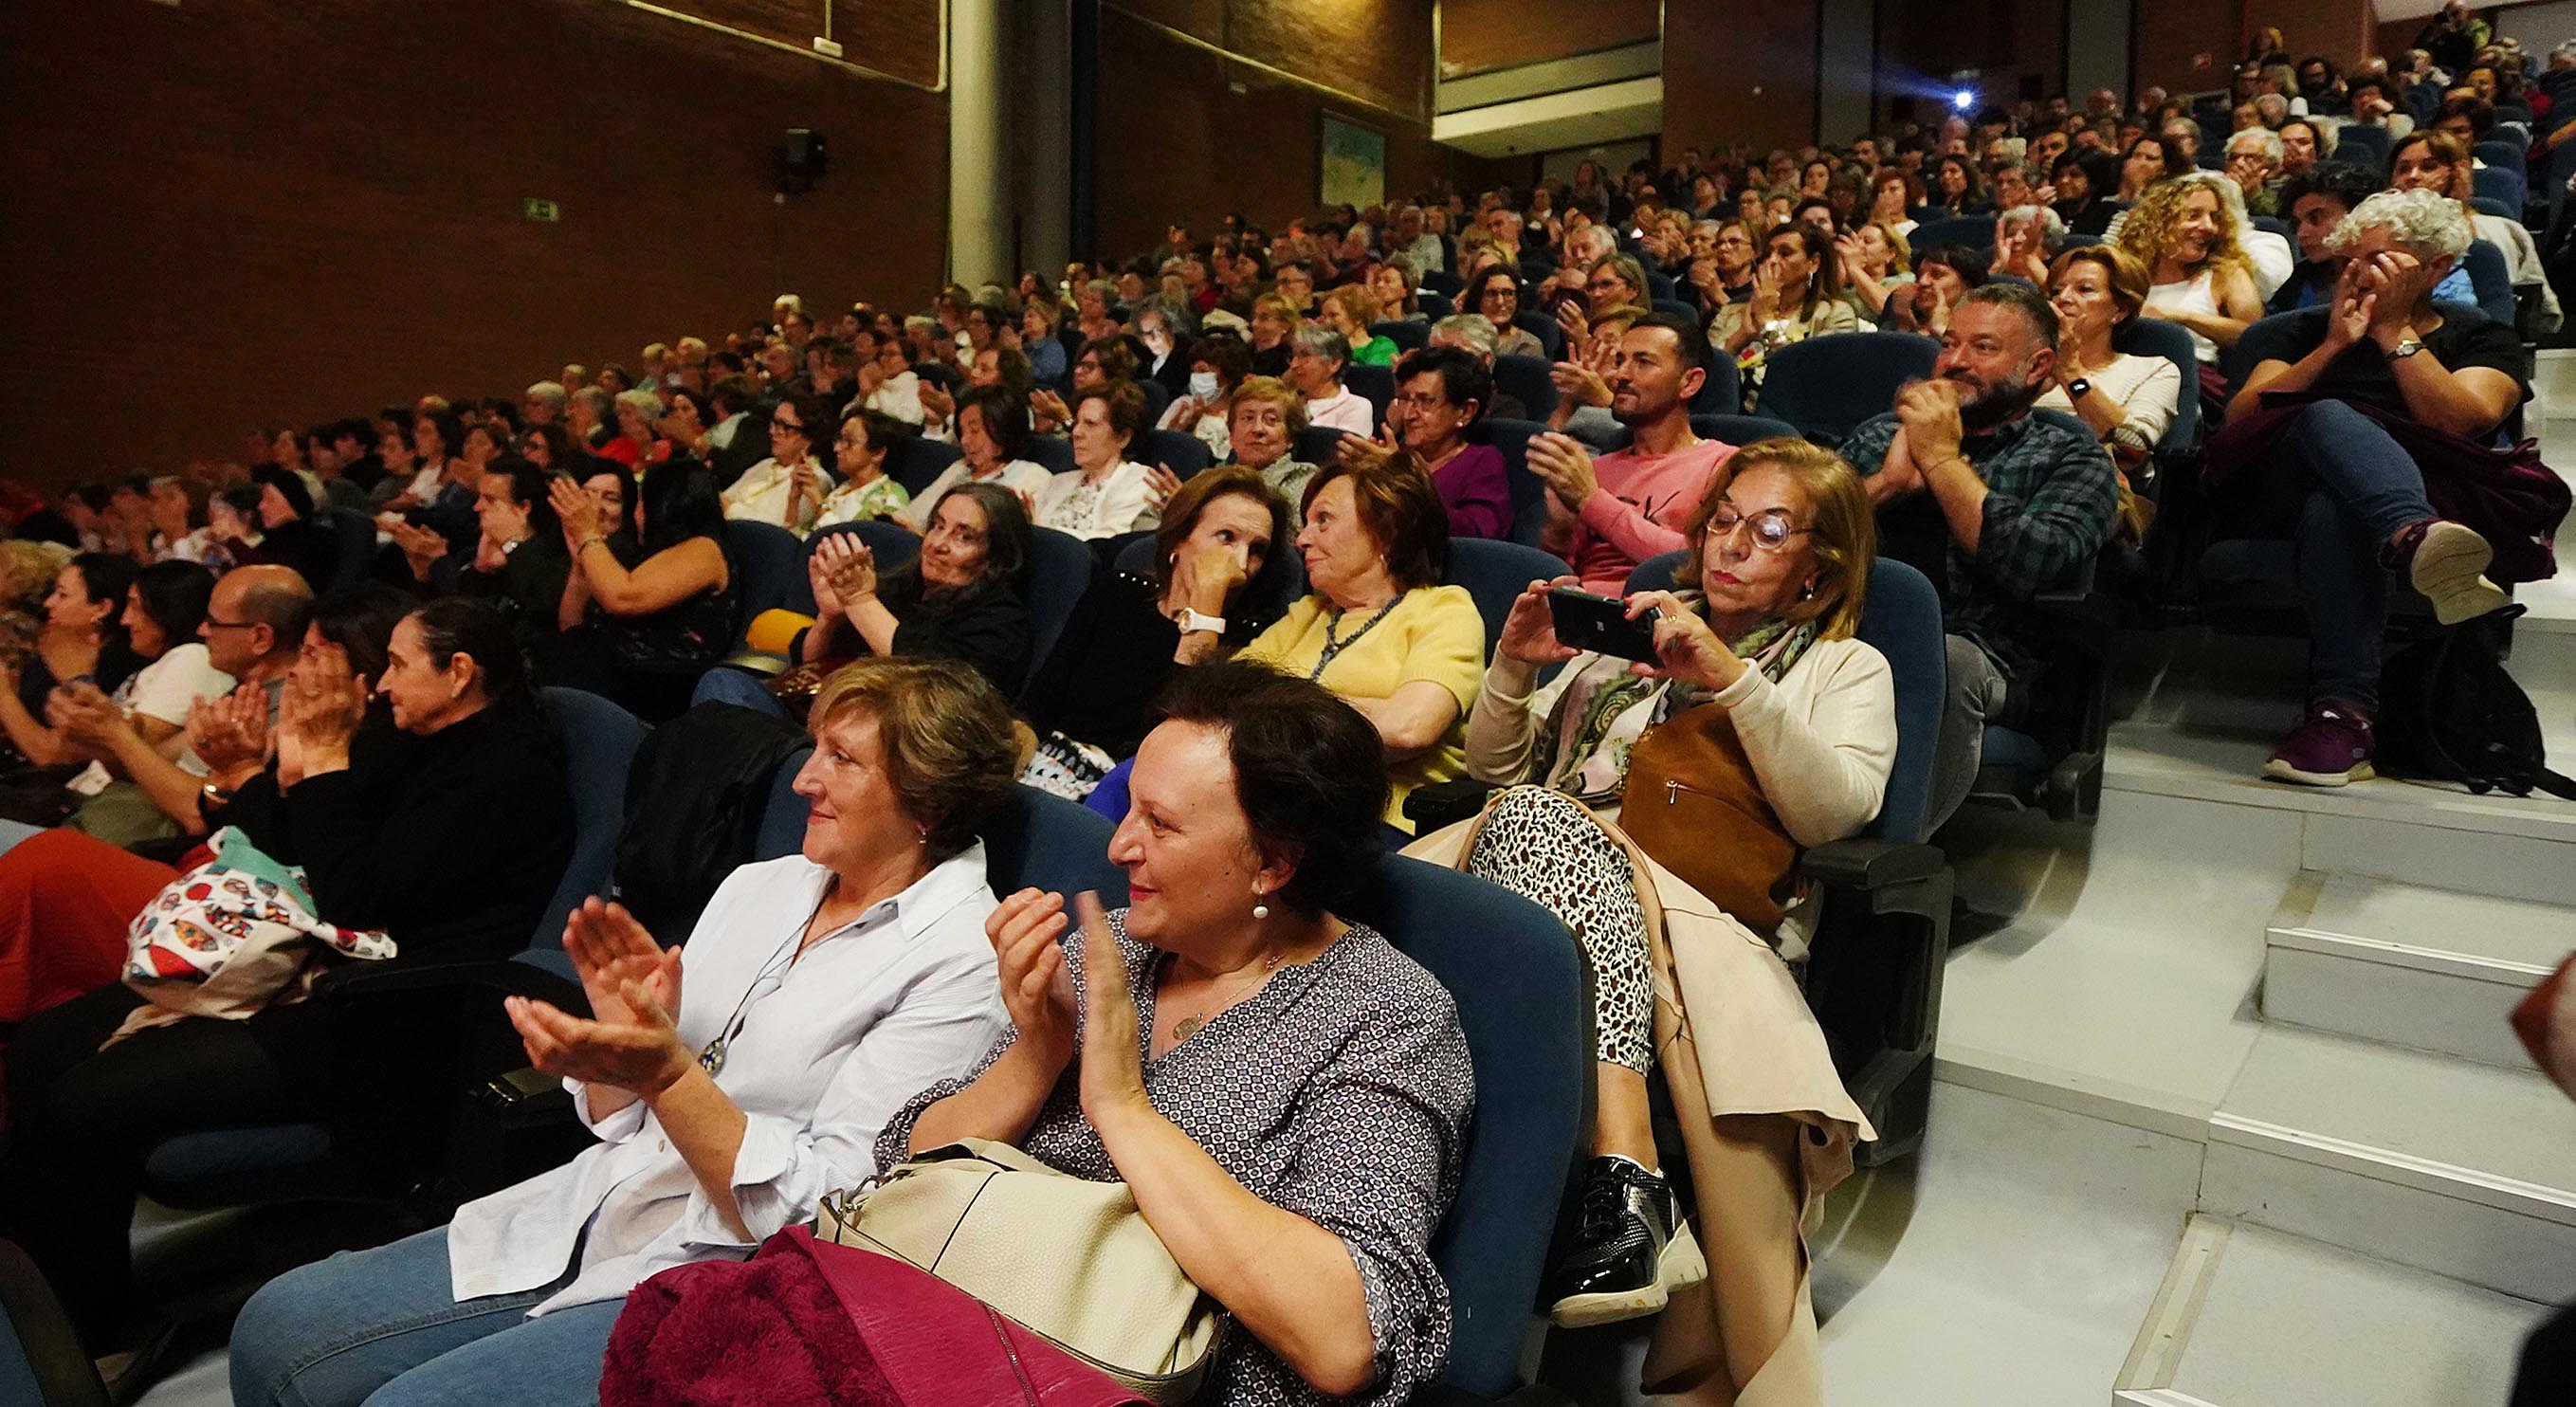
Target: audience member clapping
x,y
2186,232
642,618
959,600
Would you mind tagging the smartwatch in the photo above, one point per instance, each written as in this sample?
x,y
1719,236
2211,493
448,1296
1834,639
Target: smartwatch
x,y
1195,621
2078,389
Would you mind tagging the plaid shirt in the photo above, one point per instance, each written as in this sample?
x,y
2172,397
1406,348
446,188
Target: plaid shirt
x,y
2051,493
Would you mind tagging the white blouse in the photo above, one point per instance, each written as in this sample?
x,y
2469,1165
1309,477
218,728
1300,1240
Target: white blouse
x,y
823,1050
1122,501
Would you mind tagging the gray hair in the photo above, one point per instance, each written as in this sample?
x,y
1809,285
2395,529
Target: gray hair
x,y
1472,331
2052,230
2265,139
1180,321
1107,290
642,402
549,394
1589,235
2424,224
593,397
1324,342
2274,107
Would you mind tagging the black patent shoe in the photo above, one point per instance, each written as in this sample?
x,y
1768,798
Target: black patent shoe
x,y
1630,1249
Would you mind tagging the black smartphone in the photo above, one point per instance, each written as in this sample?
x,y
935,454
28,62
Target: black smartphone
x,y
1585,621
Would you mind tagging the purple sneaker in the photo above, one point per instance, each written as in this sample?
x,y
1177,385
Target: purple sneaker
x,y
2331,746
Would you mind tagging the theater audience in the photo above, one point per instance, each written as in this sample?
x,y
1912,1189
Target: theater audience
x,y
1762,697
867,491
992,438
1994,502
960,599
1346,310
636,443
1875,261
2314,203
1606,515
2336,440
1223,532
1218,364
519,560
824,989
289,536
1285,1093
641,620
1315,368
464,758
83,635
1105,493
1378,628
2126,399
1267,415
787,489
2185,232
1496,293
1440,395
1795,296
2439,162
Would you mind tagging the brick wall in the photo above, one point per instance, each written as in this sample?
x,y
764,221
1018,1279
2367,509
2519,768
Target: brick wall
x,y
1477,36
237,212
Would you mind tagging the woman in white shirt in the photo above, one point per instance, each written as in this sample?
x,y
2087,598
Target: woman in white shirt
x,y
892,386
824,989
2127,401
992,435
1105,493
161,613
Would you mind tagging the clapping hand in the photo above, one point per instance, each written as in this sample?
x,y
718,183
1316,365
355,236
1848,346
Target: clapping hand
x,y
610,951
1113,1070
1579,384
1160,484
1566,467
1037,987
578,510
1363,452
421,547
323,701
2356,305
1569,316
230,733
85,715
1529,632
1929,411
845,568
1047,409
2400,281
936,403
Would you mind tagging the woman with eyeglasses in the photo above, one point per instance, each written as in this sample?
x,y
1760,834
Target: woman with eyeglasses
x,y
1659,808
1496,294
824,989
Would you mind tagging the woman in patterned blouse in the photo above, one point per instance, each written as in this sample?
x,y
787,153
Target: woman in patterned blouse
x,y
1286,1093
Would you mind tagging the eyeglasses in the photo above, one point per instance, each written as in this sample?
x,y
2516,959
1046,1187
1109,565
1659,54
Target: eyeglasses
x,y
214,624
1772,527
790,426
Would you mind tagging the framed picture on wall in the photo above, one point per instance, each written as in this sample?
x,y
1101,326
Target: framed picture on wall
x,y
1353,165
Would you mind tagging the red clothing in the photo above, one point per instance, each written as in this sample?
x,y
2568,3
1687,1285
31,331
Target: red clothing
x,y
1638,512
65,902
624,452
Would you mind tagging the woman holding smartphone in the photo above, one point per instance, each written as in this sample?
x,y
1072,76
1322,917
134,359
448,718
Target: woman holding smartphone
x,y
1755,700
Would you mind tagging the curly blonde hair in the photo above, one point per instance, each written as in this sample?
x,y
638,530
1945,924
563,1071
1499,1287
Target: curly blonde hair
x,y
2149,230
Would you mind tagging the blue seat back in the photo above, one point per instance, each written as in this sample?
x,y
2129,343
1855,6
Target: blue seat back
x,y
1525,378
42,1363
1183,453
1518,981
1741,429
1901,618
782,818
1659,285
2275,225
353,536
1158,398
2506,156
2498,184
1053,453
2366,147
2492,278
1060,572
1316,443
1656,573
1721,392
1827,385
1677,308
1441,281
1551,338
1529,506
1974,231
1377,383
1407,336
2489,205
771,563
1494,573
599,741
1434,306
2155,337
1042,841
915,462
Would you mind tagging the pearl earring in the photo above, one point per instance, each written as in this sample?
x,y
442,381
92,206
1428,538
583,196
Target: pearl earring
x,y
1260,910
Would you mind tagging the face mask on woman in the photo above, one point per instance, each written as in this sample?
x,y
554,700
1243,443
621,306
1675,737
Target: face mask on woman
x,y
1203,385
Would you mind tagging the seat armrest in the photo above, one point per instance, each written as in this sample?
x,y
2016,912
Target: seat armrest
x,y
1870,864
366,981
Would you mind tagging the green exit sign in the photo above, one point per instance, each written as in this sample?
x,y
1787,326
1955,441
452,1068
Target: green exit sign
x,y
544,212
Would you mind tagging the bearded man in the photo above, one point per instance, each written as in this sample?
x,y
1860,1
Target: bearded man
x,y
1994,501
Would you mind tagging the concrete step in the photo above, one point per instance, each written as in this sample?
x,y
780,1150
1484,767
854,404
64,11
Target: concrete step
x,y
2430,1161
2433,969
2249,1317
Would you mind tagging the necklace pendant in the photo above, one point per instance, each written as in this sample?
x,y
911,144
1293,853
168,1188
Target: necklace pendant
x,y
1186,1027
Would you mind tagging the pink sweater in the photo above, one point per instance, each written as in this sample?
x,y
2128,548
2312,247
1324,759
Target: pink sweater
x,y
1639,511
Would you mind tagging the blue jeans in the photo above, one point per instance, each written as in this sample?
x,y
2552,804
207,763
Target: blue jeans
x,y
380,1327
737,686
2341,488
11,832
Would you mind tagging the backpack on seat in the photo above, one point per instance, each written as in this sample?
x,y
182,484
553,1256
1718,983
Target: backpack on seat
x,y
2449,712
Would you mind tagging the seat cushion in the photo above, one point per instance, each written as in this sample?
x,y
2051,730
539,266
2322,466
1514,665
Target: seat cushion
x,y
224,1153
2003,747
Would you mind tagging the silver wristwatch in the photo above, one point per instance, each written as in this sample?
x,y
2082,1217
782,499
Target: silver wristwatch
x,y
2406,347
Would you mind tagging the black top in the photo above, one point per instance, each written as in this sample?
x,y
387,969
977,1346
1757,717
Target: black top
x,y
1103,694
453,843
2466,338
116,663
305,545
529,586
983,625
